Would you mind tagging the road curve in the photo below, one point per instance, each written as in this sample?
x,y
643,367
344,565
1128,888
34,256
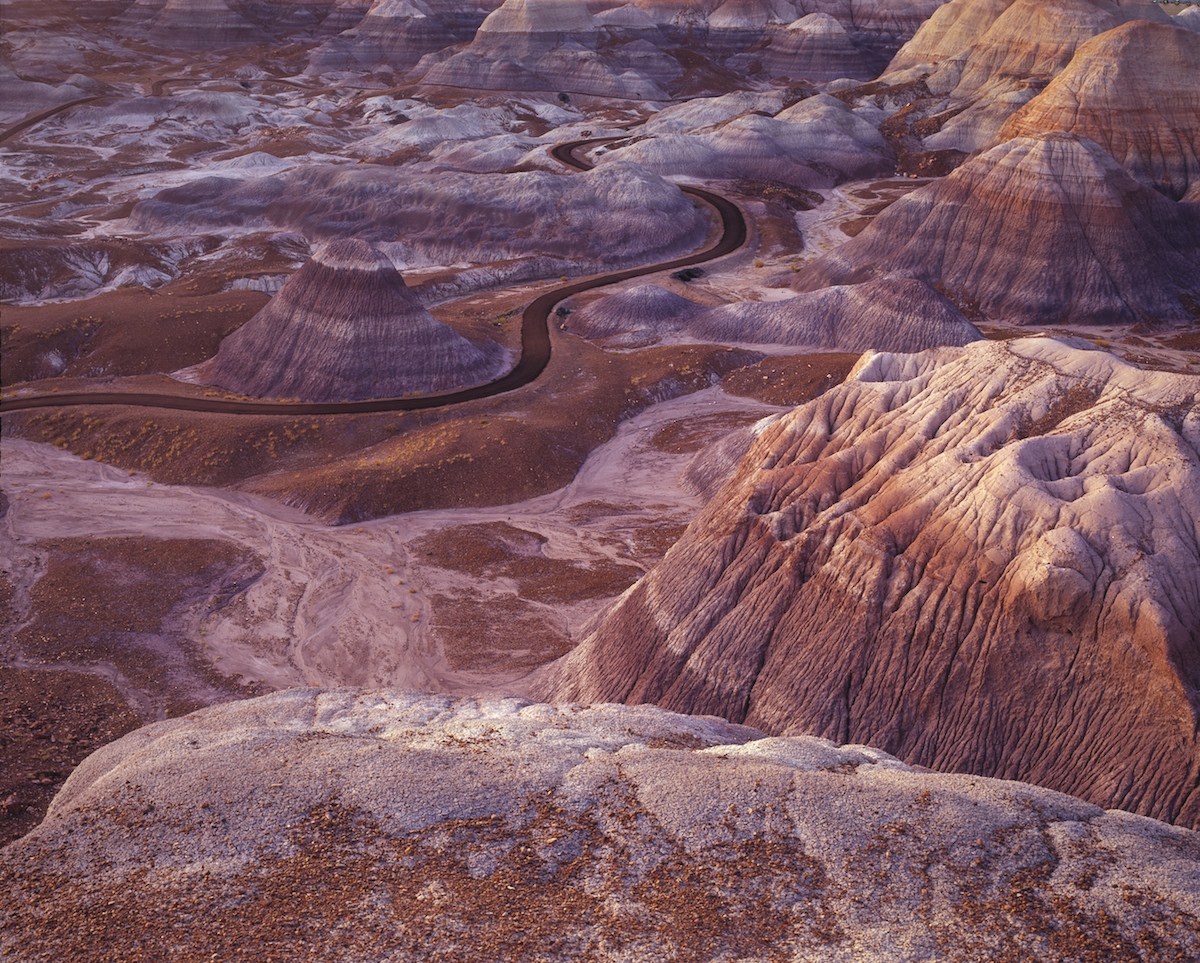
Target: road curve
x,y
535,335
28,122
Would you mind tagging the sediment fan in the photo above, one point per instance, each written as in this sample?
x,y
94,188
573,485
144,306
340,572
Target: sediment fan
x,y
346,327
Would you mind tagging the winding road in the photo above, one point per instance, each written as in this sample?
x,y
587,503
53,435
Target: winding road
x,y
10,132
535,334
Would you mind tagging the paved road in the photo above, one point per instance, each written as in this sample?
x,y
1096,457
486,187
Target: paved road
x,y
535,334
44,115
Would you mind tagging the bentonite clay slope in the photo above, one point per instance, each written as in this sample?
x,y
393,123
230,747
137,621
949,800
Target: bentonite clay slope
x,y
990,57
815,143
1134,90
394,826
890,314
968,45
201,25
1035,231
345,327
981,559
817,48
397,33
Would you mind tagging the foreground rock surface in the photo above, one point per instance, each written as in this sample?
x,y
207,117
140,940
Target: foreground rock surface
x,y
379,825
981,559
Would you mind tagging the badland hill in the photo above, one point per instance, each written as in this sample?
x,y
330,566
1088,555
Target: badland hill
x,y
924,590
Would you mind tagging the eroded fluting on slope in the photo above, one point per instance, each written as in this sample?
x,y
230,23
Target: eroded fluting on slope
x,y
981,559
1035,231
1133,90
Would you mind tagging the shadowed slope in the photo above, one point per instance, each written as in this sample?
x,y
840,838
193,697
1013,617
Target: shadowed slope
x,y
981,559
890,314
817,48
201,25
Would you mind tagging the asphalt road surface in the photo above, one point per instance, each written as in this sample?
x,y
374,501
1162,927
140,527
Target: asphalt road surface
x,y
535,334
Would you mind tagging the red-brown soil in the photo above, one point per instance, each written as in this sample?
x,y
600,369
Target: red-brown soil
x,y
126,332
498,549
790,380
116,602
353,467
496,634
49,722
105,610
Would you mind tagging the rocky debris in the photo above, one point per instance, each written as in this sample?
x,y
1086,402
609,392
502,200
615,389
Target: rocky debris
x,y
1133,90
345,327
980,559
380,824
1035,231
891,314
51,720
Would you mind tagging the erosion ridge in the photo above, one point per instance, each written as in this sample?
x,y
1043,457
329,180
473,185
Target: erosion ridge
x,y
981,559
